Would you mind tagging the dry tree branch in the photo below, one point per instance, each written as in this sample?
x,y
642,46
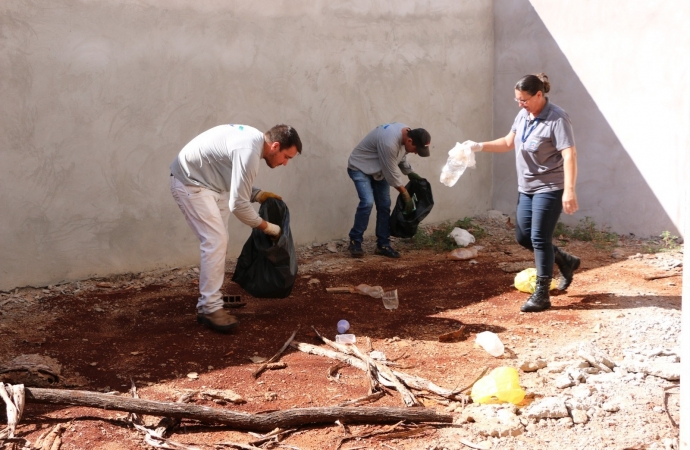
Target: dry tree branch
x,y
258,371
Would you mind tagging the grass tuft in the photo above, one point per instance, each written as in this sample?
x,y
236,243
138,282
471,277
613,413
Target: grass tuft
x,y
435,237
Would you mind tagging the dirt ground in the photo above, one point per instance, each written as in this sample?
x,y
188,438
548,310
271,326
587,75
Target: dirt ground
x,y
141,328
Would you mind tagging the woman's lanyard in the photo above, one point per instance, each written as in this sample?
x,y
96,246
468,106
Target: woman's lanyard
x,y
524,130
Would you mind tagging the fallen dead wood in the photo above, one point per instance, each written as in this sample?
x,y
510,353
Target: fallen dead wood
x,y
237,420
412,381
375,370
263,367
655,276
453,335
341,290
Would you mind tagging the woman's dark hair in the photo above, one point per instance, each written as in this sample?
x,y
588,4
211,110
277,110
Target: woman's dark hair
x,y
533,84
286,136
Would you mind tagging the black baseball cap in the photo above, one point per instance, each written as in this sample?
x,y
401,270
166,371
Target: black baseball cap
x,y
421,140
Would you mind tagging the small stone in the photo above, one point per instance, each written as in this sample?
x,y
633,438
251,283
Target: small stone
x,y
610,407
532,366
563,382
192,375
547,408
579,416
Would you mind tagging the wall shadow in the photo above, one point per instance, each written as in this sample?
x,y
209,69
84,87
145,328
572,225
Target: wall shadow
x,y
611,189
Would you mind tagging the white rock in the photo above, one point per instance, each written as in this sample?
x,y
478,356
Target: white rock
x,y
595,357
563,381
496,420
547,408
611,406
579,416
668,371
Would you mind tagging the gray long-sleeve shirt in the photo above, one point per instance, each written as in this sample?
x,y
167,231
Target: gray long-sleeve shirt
x,y
224,159
381,154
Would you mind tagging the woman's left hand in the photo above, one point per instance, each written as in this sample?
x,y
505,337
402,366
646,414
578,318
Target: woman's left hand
x,y
570,202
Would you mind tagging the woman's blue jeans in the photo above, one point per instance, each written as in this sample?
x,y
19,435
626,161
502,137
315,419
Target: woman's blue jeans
x,y
536,217
371,192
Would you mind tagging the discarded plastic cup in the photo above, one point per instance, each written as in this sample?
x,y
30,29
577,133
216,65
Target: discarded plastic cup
x,y
345,339
491,343
343,326
372,291
390,299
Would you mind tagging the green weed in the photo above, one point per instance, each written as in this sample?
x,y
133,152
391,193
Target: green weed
x,y
669,241
435,237
588,231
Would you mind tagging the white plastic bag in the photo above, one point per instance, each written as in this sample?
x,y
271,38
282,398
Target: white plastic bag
x,y
491,343
462,237
460,158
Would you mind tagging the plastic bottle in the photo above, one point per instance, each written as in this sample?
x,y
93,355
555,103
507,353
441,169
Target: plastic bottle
x,y
491,343
461,254
343,326
372,291
460,158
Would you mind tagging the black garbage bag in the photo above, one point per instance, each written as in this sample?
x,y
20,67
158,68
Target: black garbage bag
x,y
405,225
268,268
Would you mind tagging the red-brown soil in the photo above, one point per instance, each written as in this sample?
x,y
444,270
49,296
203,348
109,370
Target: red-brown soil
x,y
142,328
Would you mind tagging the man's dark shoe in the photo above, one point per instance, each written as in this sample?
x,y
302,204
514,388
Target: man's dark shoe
x,y
220,320
355,249
387,251
539,301
567,265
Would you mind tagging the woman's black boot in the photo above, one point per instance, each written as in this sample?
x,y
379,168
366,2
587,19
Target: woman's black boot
x,y
539,301
567,264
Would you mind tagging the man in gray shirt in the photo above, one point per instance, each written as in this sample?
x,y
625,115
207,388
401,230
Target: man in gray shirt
x,y
212,177
376,163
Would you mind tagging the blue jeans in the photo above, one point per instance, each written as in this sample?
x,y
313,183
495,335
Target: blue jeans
x,y
370,192
536,217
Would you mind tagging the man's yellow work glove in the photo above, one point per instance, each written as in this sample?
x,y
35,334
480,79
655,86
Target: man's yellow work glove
x,y
262,196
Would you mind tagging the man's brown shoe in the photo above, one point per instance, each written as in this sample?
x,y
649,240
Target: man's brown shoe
x,y
220,320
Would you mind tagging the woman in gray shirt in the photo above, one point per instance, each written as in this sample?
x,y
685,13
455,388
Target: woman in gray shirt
x,y
546,163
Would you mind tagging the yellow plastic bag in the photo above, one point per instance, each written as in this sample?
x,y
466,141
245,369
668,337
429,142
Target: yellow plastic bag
x,y
501,385
526,281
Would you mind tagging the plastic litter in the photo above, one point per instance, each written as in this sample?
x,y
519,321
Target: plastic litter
x,y
462,237
460,158
461,254
372,291
491,343
377,355
501,385
343,326
345,339
526,281
390,299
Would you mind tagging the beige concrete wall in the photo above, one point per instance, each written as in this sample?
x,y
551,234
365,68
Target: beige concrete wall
x,y
621,71
97,97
